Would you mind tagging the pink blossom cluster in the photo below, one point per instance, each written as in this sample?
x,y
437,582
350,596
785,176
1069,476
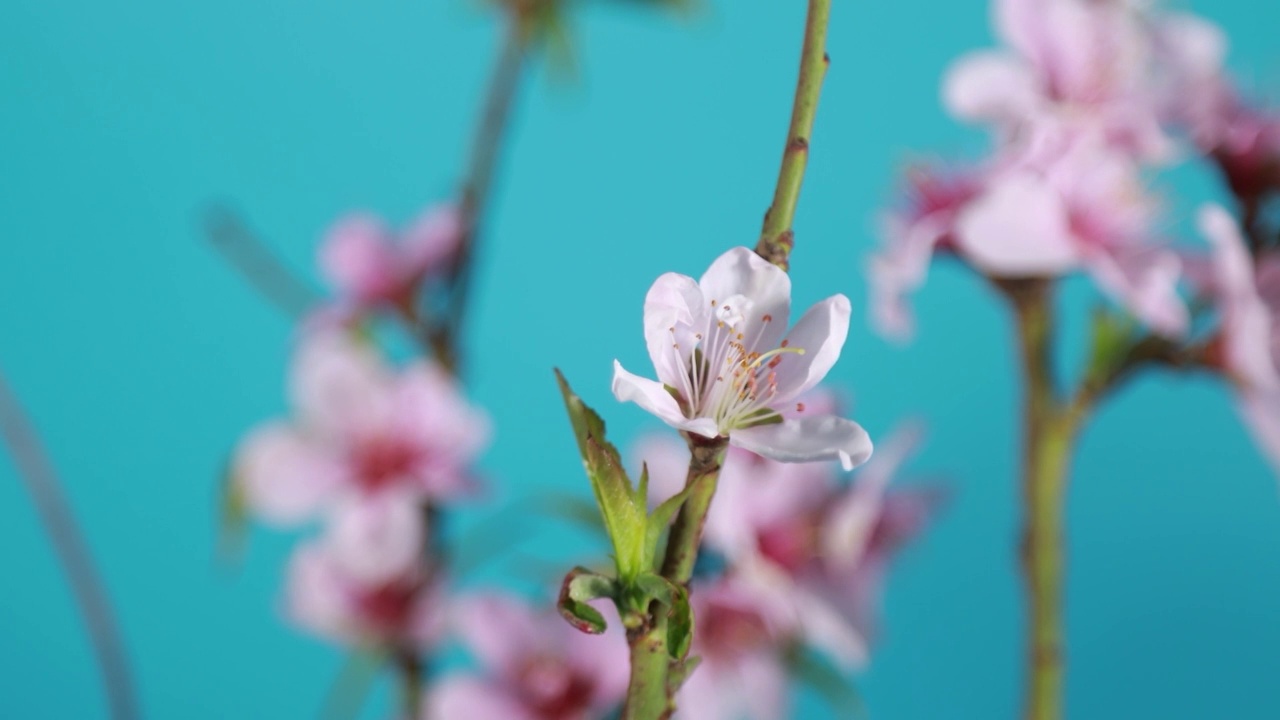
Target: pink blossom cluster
x,y
793,555
367,451
1084,102
371,450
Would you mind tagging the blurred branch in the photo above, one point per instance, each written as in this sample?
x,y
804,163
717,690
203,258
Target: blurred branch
x,y
485,153
247,253
35,469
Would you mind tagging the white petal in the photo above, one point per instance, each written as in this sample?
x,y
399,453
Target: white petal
x,y
653,397
674,310
823,437
1018,227
743,275
821,334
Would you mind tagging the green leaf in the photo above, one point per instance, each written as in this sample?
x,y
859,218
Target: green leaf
x,y
579,587
674,598
624,516
817,672
233,516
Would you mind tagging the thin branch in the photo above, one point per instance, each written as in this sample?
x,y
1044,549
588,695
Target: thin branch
x,y
35,469
776,237
258,264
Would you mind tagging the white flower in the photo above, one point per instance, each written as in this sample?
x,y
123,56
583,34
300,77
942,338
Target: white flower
x,y
725,369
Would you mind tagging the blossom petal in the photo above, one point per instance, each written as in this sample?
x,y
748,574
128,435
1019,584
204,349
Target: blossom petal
x,y
316,597
340,387
990,86
1261,411
285,476
821,334
653,397
502,632
1018,227
431,240
900,269
753,288
826,629
358,257
673,308
461,696
374,539
1247,323
431,413
1145,281
824,437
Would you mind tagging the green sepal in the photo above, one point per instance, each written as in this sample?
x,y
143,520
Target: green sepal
x,y
581,586
652,587
233,515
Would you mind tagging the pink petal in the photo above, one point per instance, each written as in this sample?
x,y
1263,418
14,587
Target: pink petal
x,y
821,334
992,87
286,477
375,539
756,287
653,397
1247,323
502,632
431,241
431,414
316,596
1145,281
470,698
674,310
340,387
1261,411
823,437
358,257
1017,228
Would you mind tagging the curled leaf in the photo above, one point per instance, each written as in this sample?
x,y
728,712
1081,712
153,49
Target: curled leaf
x,y
580,587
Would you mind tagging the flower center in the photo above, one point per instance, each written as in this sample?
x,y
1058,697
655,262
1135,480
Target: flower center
x,y
728,631
554,690
387,608
729,378
379,462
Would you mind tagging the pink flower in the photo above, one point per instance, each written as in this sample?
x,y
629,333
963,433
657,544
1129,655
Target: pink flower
x,y
361,429
913,233
1078,206
811,551
741,673
1072,65
535,666
725,369
324,596
370,267
1248,297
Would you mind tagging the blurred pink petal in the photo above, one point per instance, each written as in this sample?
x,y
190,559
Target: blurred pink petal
x,y
285,476
536,660
374,540
1018,227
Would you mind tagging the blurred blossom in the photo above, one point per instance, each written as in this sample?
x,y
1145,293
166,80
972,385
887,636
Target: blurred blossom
x,y
725,368
810,550
1082,205
534,665
925,223
1070,67
325,597
370,267
1247,292
1075,204
361,431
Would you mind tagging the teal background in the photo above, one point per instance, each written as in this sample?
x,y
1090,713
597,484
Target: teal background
x,y
142,356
